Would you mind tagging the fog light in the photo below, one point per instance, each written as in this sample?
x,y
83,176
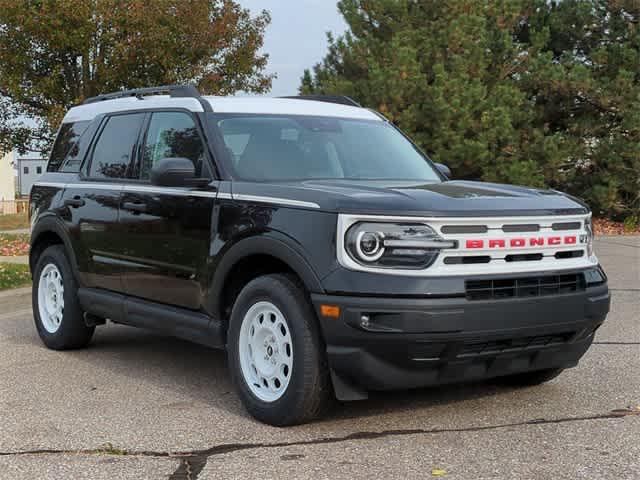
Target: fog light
x,y
365,321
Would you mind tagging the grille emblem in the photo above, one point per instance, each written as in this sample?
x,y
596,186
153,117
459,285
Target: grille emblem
x,y
523,242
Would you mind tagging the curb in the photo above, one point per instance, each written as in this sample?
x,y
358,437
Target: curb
x,y
16,260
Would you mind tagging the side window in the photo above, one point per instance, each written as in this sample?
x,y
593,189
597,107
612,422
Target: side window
x,y
66,141
26,170
113,151
172,134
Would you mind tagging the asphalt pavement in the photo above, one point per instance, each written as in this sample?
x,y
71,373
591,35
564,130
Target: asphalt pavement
x,y
135,405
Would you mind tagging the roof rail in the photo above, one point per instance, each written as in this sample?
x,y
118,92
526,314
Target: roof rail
x,y
172,90
339,99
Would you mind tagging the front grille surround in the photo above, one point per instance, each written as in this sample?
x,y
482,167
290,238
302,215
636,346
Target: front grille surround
x,y
489,245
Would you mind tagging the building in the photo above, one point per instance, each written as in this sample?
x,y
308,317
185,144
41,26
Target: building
x,y
29,168
7,177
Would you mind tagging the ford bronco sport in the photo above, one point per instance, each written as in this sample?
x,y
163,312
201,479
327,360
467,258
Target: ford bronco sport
x,y
313,241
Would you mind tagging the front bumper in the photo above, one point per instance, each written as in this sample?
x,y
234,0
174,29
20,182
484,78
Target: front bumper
x,y
410,343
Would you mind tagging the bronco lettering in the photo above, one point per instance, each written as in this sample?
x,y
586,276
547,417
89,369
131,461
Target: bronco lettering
x,y
521,242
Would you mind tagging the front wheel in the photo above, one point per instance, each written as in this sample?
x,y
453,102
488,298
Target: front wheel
x,y
276,354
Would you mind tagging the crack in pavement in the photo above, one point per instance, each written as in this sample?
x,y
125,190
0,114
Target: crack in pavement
x,y
192,462
624,289
616,343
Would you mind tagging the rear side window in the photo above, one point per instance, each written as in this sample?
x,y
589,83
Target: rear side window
x,y
114,149
66,142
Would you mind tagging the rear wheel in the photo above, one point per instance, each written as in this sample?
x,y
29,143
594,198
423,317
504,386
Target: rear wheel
x,y
276,354
530,378
56,309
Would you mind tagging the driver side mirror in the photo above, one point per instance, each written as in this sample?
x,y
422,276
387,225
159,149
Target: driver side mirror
x,y
443,169
176,172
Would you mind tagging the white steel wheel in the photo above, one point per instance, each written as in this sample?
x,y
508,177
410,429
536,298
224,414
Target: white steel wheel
x,y
265,349
51,298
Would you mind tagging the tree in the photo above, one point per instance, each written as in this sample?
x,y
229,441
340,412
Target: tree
x,y
533,92
56,53
584,80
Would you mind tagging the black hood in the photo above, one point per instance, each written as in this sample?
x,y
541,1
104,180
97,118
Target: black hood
x,y
452,198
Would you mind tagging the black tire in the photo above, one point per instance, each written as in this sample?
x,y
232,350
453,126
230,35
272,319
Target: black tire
x,y
528,379
309,392
72,332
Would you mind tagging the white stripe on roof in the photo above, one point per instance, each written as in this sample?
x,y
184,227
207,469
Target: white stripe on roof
x,y
250,105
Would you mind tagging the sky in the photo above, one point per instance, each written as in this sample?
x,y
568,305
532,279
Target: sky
x,y
296,38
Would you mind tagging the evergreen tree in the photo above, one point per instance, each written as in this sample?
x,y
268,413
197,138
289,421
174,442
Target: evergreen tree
x,y
530,92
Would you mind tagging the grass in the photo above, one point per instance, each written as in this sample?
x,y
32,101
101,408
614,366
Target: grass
x,y
14,276
14,221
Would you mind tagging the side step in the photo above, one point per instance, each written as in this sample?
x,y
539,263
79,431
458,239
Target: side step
x,y
174,321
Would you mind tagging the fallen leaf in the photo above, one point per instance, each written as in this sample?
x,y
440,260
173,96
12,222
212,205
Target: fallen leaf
x,y
438,472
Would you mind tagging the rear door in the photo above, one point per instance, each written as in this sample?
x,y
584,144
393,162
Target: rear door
x,y
92,201
167,230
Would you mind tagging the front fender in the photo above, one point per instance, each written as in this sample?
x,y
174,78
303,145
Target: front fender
x,y
264,244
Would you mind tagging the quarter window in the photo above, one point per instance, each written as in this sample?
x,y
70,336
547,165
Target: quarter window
x,y
171,135
114,149
66,140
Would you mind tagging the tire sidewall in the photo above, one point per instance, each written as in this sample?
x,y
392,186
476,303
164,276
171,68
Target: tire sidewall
x,y
57,340
304,358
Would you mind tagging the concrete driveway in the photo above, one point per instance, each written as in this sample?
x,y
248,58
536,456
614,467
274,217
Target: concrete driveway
x,y
136,405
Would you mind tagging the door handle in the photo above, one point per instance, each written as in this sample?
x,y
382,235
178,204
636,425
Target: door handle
x,y
74,202
135,207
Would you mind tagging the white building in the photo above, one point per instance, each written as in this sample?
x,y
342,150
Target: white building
x,y
29,169
7,177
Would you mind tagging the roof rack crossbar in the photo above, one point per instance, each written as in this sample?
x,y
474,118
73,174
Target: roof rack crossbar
x,y
339,99
173,90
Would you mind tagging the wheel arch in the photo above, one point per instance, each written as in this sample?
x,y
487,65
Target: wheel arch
x,y
51,231
250,258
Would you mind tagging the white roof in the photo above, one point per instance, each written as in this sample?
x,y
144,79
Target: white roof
x,y
258,105
287,106
30,156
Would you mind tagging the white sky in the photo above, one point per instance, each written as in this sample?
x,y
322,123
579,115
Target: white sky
x,y
296,38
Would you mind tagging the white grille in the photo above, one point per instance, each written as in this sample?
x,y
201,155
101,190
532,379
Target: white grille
x,y
491,245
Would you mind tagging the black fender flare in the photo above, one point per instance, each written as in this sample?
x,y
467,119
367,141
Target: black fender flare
x,y
260,245
53,224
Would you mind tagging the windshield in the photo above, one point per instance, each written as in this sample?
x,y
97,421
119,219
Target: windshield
x,y
277,148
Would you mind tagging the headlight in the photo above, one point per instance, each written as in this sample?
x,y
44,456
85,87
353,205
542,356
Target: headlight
x,y
394,245
588,226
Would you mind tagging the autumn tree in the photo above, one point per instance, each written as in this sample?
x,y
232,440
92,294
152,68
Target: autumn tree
x,y
56,53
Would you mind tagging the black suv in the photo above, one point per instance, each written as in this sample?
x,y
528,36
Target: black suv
x,y
311,239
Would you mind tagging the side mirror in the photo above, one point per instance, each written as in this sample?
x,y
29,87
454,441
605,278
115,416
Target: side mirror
x,y
443,169
175,172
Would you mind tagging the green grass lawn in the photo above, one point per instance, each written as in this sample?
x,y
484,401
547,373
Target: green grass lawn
x,y
12,222
14,276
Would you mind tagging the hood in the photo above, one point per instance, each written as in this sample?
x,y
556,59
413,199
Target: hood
x,y
451,198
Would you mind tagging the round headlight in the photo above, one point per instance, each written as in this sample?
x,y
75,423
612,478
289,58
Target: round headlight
x,y
369,245
393,245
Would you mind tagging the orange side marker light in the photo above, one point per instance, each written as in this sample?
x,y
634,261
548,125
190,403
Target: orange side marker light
x,y
331,311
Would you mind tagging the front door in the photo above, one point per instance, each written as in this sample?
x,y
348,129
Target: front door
x,y
167,230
